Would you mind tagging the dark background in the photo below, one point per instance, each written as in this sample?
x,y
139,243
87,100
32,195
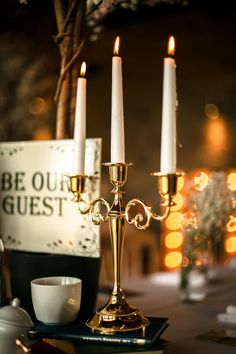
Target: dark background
x,y
205,33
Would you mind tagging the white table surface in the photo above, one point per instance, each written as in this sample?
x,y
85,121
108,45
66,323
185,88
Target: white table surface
x,y
159,296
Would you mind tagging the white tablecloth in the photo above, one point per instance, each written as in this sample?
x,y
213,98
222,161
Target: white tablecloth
x,y
158,295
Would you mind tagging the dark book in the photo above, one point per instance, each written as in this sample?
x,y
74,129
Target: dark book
x,y
92,348
40,347
80,332
55,346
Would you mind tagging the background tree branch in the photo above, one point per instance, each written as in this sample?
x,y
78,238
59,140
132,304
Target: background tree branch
x,y
70,24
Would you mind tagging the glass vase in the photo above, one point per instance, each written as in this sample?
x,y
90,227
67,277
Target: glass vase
x,y
194,275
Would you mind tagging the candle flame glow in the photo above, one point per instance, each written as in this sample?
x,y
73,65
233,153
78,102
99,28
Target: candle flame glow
x,y
171,45
83,69
116,46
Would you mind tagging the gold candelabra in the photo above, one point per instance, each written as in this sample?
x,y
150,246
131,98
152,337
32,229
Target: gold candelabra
x,y
117,315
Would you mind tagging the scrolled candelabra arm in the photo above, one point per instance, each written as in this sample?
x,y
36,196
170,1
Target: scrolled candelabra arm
x,y
143,218
77,187
167,185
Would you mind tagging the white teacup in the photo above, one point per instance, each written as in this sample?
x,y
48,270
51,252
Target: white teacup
x,y
56,300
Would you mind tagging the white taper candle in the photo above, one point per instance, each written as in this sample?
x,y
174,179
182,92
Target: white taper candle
x,y
117,110
169,104
80,124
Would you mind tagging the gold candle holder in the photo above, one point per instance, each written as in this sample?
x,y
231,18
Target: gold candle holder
x,y
77,186
117,315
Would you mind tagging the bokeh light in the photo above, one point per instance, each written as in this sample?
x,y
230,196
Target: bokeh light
x,y
189,221
231,225
173,259
38,106
180,184
174,221
230,244
212,111
174,239
216,138
179,201
42,133
232,181
200,181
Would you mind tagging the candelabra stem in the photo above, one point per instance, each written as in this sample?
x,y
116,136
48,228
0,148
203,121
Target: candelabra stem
x,y
118,177
117,232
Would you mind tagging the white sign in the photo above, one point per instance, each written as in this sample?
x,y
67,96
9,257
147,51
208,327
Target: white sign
x,y
36,211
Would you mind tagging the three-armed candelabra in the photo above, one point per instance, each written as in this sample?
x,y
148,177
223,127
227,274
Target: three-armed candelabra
x,y
117,315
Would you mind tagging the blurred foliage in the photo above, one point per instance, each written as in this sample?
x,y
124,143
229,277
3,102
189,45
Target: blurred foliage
x,y
26,89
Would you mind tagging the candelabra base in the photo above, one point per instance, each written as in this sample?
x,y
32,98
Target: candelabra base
x,y
117,316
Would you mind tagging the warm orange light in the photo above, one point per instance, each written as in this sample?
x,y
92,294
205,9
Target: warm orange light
x,y
173,259
231,225
171,45
217,140
83,69
180,183
174,221
200,181
174,239
212,111
42,133
232,181
189,221
38,106
230,245
117,46
179,201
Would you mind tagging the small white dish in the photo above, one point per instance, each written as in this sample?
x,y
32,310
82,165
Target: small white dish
x,y
227,321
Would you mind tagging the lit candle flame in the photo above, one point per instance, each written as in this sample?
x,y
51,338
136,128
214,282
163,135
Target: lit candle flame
x,y
171,45
83,69
116,46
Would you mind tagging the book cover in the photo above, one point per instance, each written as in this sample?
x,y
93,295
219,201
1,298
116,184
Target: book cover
x,y
80,332
55,346
92,348
46,348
